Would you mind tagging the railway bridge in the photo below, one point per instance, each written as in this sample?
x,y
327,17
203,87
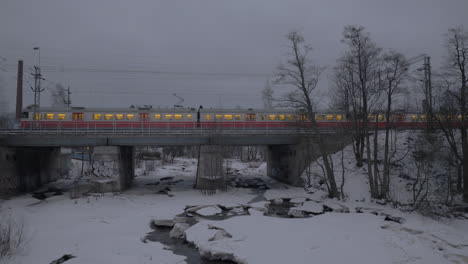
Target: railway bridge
x,y
30,158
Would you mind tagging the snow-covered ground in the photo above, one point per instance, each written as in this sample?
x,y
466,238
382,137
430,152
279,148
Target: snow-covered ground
x,y
110,228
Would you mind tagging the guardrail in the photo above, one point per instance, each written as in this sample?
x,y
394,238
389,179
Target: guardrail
x,y
168,132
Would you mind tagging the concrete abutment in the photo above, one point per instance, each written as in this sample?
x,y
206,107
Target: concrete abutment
x,y
286,163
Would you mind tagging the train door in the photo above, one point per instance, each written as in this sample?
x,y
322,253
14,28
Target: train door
x,y
144,119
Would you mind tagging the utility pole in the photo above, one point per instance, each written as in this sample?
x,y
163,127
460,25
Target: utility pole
x,y
37,89
19,91
37,85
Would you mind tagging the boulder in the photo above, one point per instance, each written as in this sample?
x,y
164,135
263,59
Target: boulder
x,y
330,206
178,231
163,223
209,211
311,207
221,234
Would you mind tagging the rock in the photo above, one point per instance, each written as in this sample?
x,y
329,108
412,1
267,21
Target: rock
x,y
163,223
221,234
181,219
194,208
237,210
298,200
255,211
63,259
335,207
209,210
396,219
166,178
178,231
311,207
295,213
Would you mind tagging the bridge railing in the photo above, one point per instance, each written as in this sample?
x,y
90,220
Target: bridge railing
x,y
148,131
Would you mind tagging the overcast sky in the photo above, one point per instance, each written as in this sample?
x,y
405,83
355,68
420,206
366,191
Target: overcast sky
x,y
114,53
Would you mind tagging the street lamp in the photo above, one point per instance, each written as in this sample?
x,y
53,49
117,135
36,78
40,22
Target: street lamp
x,y
39,55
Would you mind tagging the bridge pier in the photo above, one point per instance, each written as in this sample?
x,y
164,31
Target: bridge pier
x,y
113,168
24,169
286,163
210,174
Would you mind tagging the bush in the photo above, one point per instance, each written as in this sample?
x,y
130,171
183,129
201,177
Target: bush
x,y
11,236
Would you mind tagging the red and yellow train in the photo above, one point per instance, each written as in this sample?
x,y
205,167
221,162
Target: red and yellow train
x,y
184,118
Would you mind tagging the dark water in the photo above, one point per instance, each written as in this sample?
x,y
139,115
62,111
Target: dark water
x,y
181,247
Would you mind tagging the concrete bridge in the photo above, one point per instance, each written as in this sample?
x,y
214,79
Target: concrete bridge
x,y
30,158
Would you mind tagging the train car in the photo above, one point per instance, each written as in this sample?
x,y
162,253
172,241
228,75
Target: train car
x,y
170,118
208,118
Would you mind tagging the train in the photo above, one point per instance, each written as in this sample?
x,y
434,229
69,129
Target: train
x,y
191,118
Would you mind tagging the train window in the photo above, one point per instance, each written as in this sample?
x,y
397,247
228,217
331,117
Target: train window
x,y
77,116
168,117
227,117
130,116
380,117
281,117
38,116
119,116
459,117
330,117
97,116
218,117
189,116
263,117
238,117
208,117
50,116
399,117
109,116
272,117
250,117
177,116
61,116
157,116
143,116
319,117
414,117
290,117
339,117
301,117
371,117
422,117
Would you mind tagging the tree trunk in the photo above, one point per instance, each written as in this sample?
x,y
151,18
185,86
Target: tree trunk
x,y
369,169
377,180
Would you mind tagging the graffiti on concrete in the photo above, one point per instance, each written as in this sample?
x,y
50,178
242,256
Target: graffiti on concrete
x,y
105,169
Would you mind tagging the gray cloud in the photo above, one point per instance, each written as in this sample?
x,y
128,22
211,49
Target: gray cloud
x,y
211,52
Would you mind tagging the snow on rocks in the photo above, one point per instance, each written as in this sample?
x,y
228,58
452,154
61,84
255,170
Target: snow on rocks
x,y
178,231
310,207
163,223
209,210
333,206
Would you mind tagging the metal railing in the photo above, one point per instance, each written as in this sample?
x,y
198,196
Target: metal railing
x,y
168,131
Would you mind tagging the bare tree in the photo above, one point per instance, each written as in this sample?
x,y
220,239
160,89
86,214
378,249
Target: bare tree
x,y
457,69
395,68
59,96
267,96
300,74
361,63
